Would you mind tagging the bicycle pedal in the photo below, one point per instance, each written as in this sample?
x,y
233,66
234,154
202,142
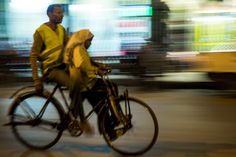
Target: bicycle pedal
x,y
120,132
74,128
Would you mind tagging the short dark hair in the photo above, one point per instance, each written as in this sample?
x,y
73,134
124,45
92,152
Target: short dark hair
x,y
52,6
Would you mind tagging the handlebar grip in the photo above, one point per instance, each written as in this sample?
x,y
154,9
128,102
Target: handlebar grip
x,y
108,70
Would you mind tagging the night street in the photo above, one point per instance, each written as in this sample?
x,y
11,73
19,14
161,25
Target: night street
x,y
177,60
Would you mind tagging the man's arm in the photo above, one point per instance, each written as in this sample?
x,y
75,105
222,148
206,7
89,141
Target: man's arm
x,y
34,54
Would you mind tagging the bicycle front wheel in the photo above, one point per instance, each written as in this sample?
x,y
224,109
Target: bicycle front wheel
x,y
34,132
139,134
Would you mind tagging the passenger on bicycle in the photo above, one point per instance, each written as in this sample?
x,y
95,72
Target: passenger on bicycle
x,y
50,38
83,68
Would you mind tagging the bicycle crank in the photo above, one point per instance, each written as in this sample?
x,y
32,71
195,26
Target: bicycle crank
x,y
74,128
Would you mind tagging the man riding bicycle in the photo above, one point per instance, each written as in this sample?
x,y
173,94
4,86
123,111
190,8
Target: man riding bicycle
x,y
50,38
49,41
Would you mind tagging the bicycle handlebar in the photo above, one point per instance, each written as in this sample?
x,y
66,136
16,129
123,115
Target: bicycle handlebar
x,y
108,70
105,71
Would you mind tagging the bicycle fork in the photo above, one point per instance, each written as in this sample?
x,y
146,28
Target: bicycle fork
x,y
123,117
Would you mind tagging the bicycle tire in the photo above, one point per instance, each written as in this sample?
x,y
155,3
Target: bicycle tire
x,y
46,132
134,141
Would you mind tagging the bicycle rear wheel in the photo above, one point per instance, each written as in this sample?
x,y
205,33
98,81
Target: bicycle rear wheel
x,y
36,133
139,134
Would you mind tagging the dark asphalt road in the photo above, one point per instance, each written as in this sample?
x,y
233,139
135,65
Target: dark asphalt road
x,y
193,123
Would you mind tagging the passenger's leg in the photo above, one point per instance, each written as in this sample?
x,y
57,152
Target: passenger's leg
x,y
97,93
75,94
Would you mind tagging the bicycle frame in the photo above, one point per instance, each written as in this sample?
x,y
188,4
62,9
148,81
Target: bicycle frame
x,y
61,90
108,101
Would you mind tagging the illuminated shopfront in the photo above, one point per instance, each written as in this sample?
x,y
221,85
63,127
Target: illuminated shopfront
x,y
122,26
118,26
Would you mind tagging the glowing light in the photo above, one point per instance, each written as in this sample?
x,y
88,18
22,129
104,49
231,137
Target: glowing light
x,y
213,19
135,11
84,7
29,5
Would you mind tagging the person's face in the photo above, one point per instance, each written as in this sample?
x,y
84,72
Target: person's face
x,y
57,15
88,43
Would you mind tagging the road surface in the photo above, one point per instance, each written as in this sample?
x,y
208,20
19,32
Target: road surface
x,y
192,123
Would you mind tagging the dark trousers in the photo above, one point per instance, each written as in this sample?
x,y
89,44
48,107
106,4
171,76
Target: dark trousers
x,y
95,95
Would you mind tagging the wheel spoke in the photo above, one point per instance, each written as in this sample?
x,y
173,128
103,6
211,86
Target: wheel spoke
x,y
34,131
27,110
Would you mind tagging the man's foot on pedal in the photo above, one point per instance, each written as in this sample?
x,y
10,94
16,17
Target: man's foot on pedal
x,y
112,135
87,128
115,133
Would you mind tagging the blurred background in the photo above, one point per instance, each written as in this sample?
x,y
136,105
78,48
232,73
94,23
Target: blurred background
x,y
140,38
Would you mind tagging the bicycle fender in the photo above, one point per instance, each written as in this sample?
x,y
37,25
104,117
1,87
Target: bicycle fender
x,y
20,90
19,97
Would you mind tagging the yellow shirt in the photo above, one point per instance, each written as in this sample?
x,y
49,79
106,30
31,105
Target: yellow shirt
x,y
44,40
52,55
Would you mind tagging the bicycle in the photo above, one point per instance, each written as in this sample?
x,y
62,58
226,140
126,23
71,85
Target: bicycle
x,y
38,120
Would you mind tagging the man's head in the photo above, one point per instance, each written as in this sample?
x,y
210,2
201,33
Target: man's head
x,y
55,13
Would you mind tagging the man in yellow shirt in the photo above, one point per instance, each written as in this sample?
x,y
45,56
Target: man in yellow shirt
x,y
49,41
